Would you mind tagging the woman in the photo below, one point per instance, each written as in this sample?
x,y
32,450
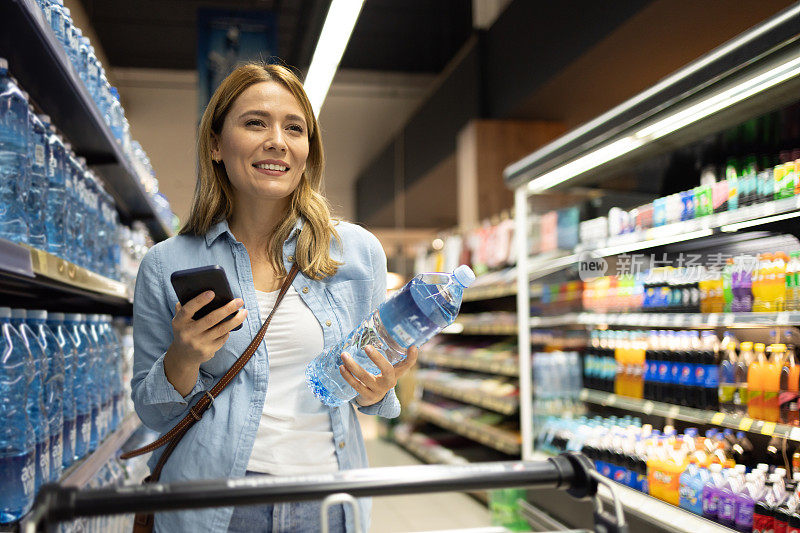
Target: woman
x,y
256,210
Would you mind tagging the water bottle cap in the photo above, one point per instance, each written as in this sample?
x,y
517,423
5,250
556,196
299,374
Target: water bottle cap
x,y
37,314
67,12
740,468
18,313
74,317
780,472
716,468
55,317
45,119
464,275
764,467
93,318
5,312
3,63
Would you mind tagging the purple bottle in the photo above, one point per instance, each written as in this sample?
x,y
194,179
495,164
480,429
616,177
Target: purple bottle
x,y
729,497
741,284
712,492
746,502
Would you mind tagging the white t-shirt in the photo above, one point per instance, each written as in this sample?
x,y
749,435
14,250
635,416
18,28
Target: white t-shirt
x,y
294,436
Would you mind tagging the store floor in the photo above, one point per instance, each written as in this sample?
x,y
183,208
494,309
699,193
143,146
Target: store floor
x,y
420,512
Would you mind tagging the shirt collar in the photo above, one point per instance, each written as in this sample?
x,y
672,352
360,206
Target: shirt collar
x,y
222,227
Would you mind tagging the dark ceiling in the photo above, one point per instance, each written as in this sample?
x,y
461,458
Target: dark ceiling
x,y
391,35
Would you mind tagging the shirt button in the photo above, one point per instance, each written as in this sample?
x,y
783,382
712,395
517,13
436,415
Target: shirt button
x,y
291,258
305,290
341,445
327,322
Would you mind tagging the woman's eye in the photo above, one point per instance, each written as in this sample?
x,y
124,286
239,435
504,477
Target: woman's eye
x,y
296,127
254,122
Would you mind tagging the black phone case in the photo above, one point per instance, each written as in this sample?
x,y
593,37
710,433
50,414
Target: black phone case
x,y
192,282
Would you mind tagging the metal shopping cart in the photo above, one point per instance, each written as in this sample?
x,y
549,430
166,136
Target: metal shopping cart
x,y
572,472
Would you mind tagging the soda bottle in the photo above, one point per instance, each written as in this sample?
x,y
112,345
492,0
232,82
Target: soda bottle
x,y
772,383
727,374
759,282
778,293
741,284
17,442
792,269
743,363
412,315
727,286
712,491
709,360
790,388
37,409
755,383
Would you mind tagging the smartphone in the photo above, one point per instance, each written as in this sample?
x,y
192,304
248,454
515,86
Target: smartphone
x,y
192,282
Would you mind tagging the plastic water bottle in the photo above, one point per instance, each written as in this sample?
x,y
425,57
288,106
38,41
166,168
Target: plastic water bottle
x,y
55,321
17,443
84,394
13,158
115,370
54,388
57,19
37,409
101,375
74,222
56,206
413,315
93,387
37,194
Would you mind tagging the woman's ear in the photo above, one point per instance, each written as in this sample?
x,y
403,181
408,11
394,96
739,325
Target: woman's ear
x,y
215,155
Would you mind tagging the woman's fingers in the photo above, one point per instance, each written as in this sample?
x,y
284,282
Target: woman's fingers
x,y
218,315
223,328
186,312
402,368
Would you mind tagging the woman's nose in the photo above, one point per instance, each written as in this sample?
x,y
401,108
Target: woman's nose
x,y
275,140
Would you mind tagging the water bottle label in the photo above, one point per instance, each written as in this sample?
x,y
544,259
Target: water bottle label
x,y
39,154
44,462
28,475
712,376
744,516
52,166
402,335
86,430
663,373
727,509
58,451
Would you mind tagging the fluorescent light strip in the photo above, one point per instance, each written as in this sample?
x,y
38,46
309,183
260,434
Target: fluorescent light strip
x,y
339,24
757,222
674,122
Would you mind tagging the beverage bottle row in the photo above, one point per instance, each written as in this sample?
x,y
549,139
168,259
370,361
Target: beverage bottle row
x,y
61,383
411,316
613,293
556,383
49,199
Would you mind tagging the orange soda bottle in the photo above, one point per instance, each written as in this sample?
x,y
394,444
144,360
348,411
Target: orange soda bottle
x,y
790,389
772,383
779,262
755,384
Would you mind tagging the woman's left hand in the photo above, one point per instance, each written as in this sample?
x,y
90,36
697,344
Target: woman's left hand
x,y
371,389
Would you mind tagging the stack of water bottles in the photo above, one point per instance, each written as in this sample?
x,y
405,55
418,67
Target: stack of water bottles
x,y
62,390
90,70
556,382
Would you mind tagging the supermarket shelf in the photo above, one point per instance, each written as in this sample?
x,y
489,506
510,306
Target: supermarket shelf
x,y
461,328
501,404
37,60
504,367
498,439
687,230
489,292
688,414
671,320
644,512
28,273
80,474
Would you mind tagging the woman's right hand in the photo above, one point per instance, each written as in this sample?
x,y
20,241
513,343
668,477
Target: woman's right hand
x,y
196,341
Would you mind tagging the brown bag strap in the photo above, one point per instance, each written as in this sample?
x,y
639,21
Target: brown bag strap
x,y
174,435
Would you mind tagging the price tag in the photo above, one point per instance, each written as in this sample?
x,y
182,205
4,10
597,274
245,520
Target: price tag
x,y
713,319
728,319
717,418
673,411
745,424
584,394
768,429
611,400
647,407
782,319
795,434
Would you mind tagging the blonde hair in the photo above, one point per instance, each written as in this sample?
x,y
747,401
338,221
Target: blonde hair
x,y
213,195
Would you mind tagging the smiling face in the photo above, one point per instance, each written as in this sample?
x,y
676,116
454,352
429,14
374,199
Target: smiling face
x,y
263,143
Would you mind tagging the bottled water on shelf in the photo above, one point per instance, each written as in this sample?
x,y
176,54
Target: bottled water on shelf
x,y
56,323
56,203
84,395
37,409
13,158
36,212
414,314
17,442
53,387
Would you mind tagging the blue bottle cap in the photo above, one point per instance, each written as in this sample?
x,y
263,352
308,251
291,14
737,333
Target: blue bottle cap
x,y
55,317
5,312
37,314
18,313
464,275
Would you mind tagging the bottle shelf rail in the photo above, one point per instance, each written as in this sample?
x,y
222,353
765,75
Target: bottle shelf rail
x,y
504,367
498,439
671,320
689,414
501,404
31,268
466,328
489,292
729,221
38,61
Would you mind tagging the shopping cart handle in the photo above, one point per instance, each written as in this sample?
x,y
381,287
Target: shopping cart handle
x,y
569,471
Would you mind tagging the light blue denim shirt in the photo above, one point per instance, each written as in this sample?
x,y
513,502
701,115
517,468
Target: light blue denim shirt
x,y
219,445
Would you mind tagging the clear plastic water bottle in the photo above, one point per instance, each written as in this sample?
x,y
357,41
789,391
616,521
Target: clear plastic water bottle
x,y
74,221
56,206
83,393
53,387
101,374
17,443
114,348
57,19
37,193
115,114
411,316
93,387
56,323
13,158
37,409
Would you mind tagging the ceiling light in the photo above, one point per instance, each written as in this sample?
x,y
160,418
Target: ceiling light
x,y
338,27
677,120
757,222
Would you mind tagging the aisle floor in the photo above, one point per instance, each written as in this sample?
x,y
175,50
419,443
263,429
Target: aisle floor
x,y
423,512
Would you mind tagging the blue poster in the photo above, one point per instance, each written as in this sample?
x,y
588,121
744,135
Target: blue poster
x,y
226,38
